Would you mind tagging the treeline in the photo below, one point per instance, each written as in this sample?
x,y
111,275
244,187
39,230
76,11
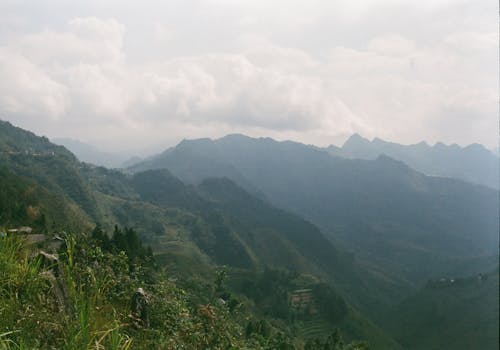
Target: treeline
x,y
125,240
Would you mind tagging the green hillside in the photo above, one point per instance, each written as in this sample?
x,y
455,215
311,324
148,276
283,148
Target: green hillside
x,y
25,203
393,218
222,248
450,314
192,229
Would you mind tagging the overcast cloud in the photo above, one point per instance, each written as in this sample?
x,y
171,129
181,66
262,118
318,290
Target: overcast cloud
x,y
137,75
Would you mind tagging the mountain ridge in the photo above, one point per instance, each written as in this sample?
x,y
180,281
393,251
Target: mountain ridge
x,y
217,221
473,163
387,195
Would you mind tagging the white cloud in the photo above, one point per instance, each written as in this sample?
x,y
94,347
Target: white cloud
x,y
163,34
392,45
27,91
470,42
317,73
86,40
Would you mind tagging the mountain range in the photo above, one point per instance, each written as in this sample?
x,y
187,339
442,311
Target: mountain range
x,y
473,163
365,234
409,225
193,229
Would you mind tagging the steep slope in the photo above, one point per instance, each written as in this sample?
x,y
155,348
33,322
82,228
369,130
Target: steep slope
x,y
14,141
473,163
240,230
409,225
192,229
52,166
257,232
186,162
450,314
25,203
271,231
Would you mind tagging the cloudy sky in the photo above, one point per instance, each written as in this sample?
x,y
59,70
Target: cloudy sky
x,y
143,75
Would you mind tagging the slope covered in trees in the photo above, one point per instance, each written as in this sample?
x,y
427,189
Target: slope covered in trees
x,y
80,298
399,221
192,231
382,210
450,313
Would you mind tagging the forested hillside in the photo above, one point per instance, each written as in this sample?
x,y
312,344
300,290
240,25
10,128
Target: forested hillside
x,y
451,313
225,267
193,231
400,222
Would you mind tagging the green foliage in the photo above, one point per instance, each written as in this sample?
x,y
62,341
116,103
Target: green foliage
x,y
269,290
334,342
401,225
89,289
128,241
192,228
332,306
458,313
24,203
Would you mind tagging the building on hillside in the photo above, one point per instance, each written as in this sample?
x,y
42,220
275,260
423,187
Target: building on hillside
x,y
301,299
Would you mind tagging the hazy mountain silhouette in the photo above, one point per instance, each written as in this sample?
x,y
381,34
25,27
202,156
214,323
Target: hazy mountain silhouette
x,y
473,163
412,225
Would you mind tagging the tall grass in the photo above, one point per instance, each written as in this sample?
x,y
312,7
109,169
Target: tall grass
x,y
82,302
28,302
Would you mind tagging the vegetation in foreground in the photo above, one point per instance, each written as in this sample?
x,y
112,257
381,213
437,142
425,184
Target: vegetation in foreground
x,y
80,298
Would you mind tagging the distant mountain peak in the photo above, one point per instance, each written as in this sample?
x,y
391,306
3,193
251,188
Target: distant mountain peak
x,y
191,143
236,136
476,147
473,163
356,139
188,141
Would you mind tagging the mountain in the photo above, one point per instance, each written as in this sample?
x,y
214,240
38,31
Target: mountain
x,y
193,229
51,166
25,203
90,154
185,162
240,202
397,221
16,141
472,163
450,313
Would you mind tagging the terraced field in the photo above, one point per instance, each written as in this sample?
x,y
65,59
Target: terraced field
x,y
314,327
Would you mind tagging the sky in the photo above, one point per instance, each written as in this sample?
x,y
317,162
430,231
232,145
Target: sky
x,y
143,75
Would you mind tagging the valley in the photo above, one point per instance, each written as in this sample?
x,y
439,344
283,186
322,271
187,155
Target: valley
x,y
242,225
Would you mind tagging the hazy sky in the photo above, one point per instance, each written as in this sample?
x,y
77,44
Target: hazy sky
x,y
146,74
